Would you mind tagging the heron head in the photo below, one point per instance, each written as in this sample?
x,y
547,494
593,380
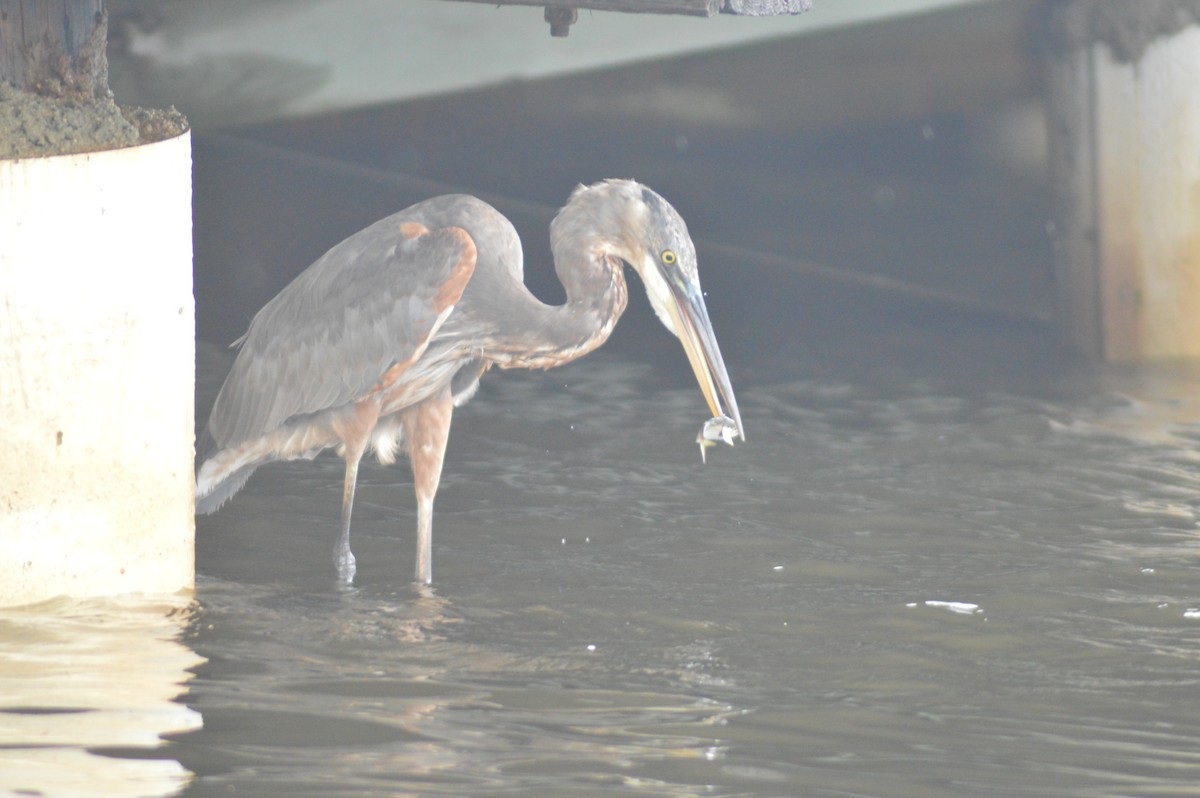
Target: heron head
x,y
642,229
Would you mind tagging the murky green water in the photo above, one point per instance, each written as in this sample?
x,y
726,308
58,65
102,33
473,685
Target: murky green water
x,y
938,578
947,562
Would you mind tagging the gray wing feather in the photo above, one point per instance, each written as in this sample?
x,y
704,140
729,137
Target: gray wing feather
x,y
327,338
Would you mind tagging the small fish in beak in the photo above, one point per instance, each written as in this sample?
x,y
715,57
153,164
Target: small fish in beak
x,y
719,428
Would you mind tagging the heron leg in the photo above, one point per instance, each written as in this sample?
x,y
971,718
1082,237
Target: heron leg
x,y
343,558
354,428
426,428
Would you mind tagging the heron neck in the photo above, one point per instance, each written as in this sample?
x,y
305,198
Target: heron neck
x,y
594,282
585,239
597,294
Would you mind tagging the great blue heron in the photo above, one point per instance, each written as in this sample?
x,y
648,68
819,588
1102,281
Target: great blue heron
x,y
377,342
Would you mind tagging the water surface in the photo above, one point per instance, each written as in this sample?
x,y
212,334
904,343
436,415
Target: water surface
x,y
947,562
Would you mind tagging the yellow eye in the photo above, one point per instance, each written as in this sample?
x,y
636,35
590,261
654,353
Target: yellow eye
x,y
668,257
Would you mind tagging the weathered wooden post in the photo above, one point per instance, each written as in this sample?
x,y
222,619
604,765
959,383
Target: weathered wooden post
x,y
96,320
1123,87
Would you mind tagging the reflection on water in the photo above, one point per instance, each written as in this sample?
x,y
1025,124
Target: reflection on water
x,y
932,570
88,689
376,691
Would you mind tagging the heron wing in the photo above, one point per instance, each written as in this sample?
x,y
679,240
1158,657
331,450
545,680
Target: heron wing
x,y
367,308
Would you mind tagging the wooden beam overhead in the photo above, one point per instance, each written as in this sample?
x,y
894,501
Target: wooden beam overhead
x,y
54,48
695,8
562,14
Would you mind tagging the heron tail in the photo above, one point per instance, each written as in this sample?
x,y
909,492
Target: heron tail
x,y
210,496
220,473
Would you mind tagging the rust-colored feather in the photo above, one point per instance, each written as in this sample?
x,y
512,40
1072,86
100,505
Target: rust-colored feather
x,y
362,313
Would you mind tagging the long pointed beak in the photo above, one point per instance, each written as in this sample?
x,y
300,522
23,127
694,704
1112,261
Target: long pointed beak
x,y
690,317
